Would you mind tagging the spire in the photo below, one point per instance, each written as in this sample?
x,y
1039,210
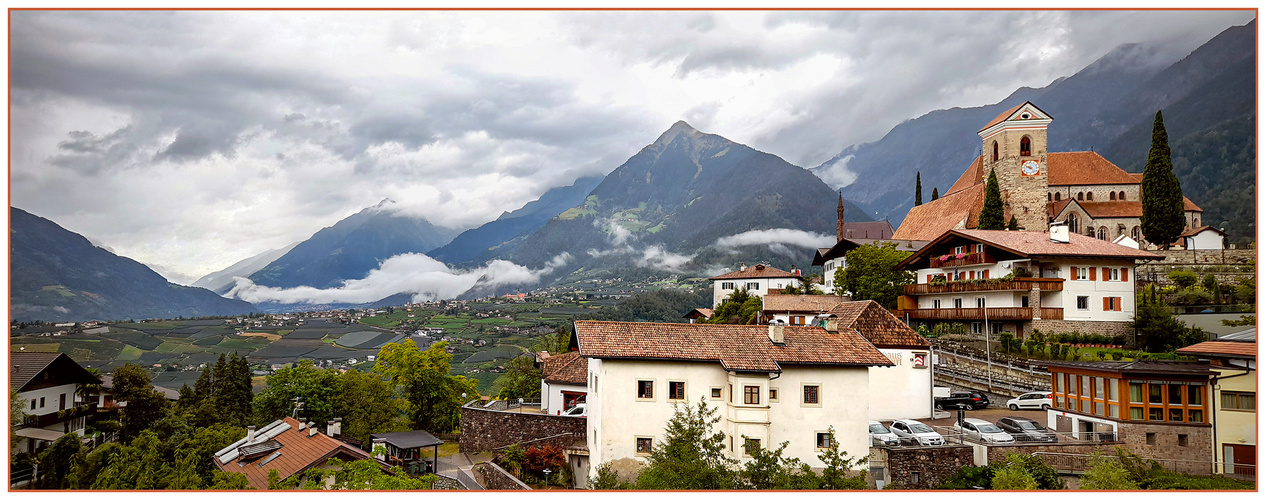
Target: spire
x,y
839,220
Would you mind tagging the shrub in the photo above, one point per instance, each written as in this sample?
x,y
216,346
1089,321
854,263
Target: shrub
x,y
1182,278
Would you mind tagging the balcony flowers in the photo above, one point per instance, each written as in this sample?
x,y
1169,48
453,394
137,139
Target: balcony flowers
x,y
961,256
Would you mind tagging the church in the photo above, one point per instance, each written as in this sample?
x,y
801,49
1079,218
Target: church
x,y
1092,195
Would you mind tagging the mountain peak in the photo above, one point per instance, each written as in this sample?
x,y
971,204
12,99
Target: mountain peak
x,y
681,127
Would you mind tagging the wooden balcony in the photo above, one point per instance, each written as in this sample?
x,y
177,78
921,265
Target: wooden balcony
x,y
1016,284
979,314
59,416
967,260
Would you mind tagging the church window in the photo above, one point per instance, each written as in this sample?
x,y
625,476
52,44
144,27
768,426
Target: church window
x,y
1056,196
1134,233
1048,196
1112,196
995,150
1121,196
1090,196
1081,196
1026,147
1103,233
1072,223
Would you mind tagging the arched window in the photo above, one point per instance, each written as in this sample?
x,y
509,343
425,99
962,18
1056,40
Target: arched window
x,y
1026,147
1048,197
1195,221
1112,195
1103,233
1081,196
1121,196
995,150
1072,222
1090,196
1056,196
1134,233
1090,231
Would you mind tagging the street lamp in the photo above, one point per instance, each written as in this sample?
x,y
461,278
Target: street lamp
x,y
546,471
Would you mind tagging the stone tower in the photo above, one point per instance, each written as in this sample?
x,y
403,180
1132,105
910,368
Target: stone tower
x,y
1014,146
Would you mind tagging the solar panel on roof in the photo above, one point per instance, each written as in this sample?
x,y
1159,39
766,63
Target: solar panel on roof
x,y
257,450
270,458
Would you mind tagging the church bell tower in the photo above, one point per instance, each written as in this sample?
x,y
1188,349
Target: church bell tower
x,y
1014,147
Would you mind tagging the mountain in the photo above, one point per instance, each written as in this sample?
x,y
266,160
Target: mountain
x,y
473,245
222,281
351,248
58,275
1208,99
674,199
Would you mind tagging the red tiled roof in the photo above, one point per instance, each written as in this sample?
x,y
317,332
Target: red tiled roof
x,y
756,271
1189,206
1037,243
1221,349
298,453
1083,168
1005,114
736,347
932,219
975,174
878,325
1192,231
875,230
1053,208
25,366
566,368
802,303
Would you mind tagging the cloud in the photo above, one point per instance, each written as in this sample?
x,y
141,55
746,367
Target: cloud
x,y
836,173
655,257
776,239
423,277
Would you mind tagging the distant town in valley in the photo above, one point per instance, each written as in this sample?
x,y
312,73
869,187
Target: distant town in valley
x,y
1055,291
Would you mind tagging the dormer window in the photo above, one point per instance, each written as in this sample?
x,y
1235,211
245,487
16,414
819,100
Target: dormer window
x,y
1090,196
1026,146
1081,196
1112,195
1057,197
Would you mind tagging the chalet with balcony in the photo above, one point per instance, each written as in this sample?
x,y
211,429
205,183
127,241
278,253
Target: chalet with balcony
x,y
1018,281
47,385
758,280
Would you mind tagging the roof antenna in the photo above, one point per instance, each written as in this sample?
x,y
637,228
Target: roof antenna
x,y
297,406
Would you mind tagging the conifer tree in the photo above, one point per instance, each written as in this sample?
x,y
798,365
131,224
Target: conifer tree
x,y
1163,218
1013,225
918,189
991,212
935,195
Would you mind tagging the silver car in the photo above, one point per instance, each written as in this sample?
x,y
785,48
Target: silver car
x,y
983,431
880,435
917,431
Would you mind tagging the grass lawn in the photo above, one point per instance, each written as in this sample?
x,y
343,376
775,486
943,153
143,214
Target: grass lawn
x,y
447,449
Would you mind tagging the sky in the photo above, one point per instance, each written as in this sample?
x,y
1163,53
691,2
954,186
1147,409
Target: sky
x,y
190,140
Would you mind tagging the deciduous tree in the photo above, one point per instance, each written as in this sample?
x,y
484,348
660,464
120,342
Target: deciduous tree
x,y
870,274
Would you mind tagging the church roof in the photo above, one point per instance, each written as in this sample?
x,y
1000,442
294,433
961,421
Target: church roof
x,y
1084,168
974,175
954,210
1002,117
874,230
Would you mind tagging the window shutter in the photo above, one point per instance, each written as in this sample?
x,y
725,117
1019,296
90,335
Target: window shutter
x,y
1073,272
1092,273
1125,274
1116,304
1107,304
1106,275
986,276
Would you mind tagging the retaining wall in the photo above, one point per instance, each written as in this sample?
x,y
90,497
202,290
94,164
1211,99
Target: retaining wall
x,y
487,430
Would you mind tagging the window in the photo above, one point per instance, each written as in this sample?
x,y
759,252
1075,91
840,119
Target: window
x,y
1154,393
1081,196
41,402
1136,392
1080,273
1157,414
32,404
751,394
750,444
1103,233
936,303
1083,302
995,150
1112,196
960,249
824,440
1026,146
645,389
61,402
1024,301
644,446
773,395
1151,438
1072,219
1114,274
716,393
727,285
1182,440
977,328
1090,196
730,393
958,303
1121,196
1112,303
980,302
753,286
979,248
1085,387
1057,198
1195,415
797,320
811,395
1238,400
1136,413
1097,390
676,390
1134,233
1175,414
1175,394
1112,389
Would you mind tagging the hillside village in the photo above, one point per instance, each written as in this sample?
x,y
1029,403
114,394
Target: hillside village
x,y
973,355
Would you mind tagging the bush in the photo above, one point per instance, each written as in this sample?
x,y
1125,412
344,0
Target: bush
x,y
1182,278
1107,474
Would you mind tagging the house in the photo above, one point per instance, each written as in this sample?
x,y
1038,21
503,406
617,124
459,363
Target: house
x,y
850,235
798,310
288,446
47,384
757,280
1234,402
1156,409
1202,238
1090,194
910,376
1018,281
698,313
769,384
563,379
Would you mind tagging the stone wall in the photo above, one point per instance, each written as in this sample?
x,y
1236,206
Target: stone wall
x,y
1194,458
1091,327
486,430
496,478
1207,257
921,468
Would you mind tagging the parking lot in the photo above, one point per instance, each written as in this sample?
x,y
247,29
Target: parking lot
x,y
945,426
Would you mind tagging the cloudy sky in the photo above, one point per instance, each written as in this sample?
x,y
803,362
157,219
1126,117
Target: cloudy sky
x,y
191,140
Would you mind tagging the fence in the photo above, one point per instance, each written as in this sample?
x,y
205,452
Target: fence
x,y
463,478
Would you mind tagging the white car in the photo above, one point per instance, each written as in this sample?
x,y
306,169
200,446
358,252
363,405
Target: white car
x,y
917,431
880,435
983,431
1039,400
580,410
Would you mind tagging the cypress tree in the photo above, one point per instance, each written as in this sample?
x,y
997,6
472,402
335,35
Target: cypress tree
x,y
935,195
1163,218
991,212
1013,225
918,189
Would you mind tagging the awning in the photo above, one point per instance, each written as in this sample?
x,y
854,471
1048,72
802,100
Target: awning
x,y
41,434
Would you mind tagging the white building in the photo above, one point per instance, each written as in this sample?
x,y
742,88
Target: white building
x,y
832,259
1021,280
798,310
903,390
769,384
46,384
563,382
1202,238
757,280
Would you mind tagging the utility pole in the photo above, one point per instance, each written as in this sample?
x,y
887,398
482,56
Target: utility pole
x,y
988,356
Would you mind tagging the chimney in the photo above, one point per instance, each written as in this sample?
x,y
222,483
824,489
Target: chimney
x,y
250,433
776,334
312,430
335,428
742,266
303,424
1059,232
839,220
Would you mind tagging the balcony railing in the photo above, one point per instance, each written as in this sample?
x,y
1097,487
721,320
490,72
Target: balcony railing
x,y
967,260
59,416
1015,284
980,313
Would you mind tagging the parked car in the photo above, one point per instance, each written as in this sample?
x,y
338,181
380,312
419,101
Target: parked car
x,y
917,431
983,431
580,410
880,435
1025,429
967,400
1039,400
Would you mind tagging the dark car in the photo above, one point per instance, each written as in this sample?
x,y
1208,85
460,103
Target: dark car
x,y
965,400
1025,429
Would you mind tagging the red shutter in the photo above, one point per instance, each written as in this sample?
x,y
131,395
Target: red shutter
x,y
1116,304
1107,304
986,276
1073,272
1125,274
972,275
1106,274
1092,273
